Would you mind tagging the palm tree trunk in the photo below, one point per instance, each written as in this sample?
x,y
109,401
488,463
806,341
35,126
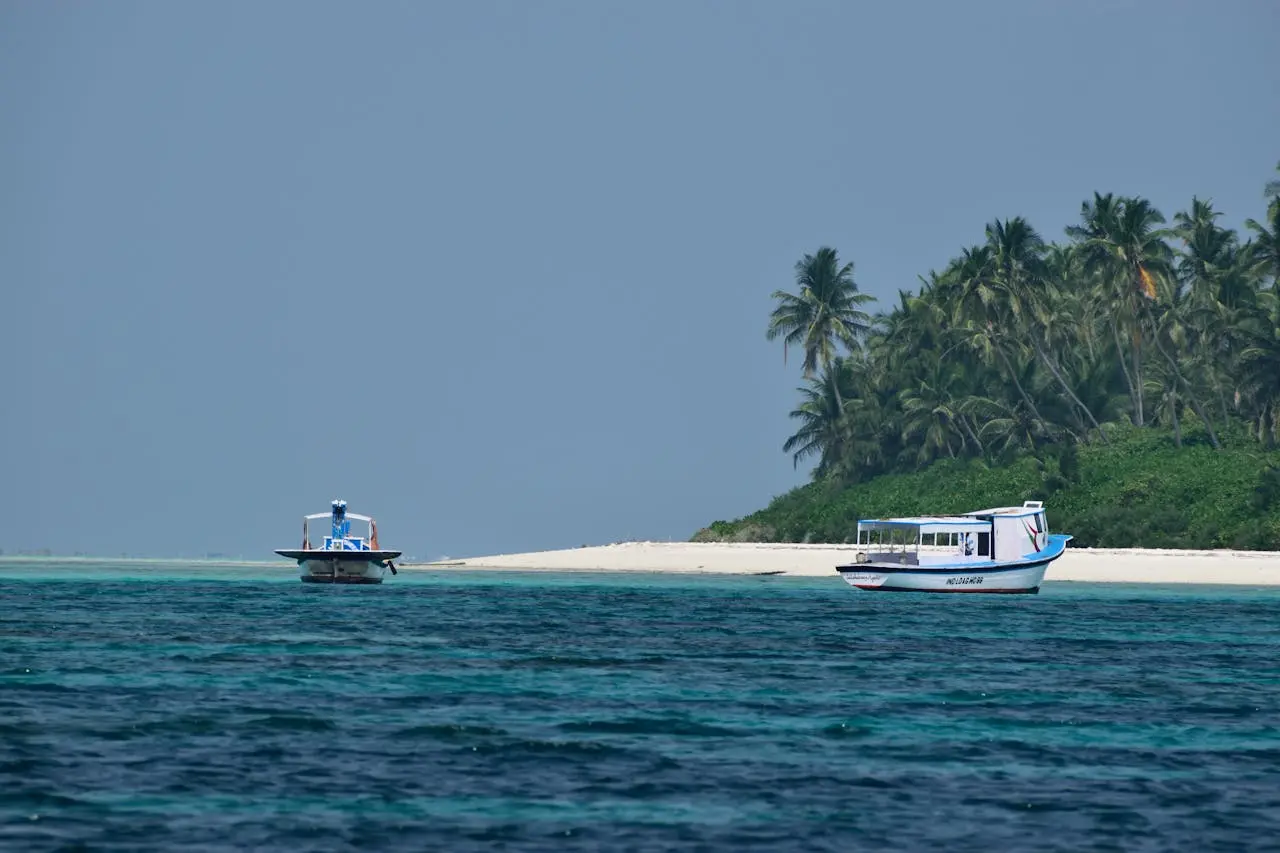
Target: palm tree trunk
x,y
1204,416
1182,380
1134,399
1017,384
1137,373
973,436
1136,284
1057,374
835,385
1211,366
1177,428
1222,391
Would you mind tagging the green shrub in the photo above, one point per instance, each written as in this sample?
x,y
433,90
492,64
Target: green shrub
x,y
1140,491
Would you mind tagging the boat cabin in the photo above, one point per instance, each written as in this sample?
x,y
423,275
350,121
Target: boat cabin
x,y
1000,534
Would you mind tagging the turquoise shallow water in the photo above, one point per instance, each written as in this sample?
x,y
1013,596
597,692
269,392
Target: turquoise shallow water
x,y
165,706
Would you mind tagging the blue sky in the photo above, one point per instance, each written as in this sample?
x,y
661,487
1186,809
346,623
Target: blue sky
x,y
498,273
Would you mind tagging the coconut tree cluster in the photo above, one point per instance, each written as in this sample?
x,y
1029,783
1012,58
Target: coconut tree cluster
x,y
1020,342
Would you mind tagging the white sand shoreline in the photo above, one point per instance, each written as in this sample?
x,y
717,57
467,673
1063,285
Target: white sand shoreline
x,y
1095,565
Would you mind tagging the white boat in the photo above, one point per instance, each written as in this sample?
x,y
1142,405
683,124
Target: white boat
x,y
342,558
1004,549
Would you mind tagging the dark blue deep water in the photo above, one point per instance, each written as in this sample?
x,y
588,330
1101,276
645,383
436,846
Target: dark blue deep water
x,y
155,708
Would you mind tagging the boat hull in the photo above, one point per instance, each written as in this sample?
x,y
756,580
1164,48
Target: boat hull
x,y
319,566
868,576
1022,576
341,571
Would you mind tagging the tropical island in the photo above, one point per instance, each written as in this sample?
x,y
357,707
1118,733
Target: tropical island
x,y
1129,376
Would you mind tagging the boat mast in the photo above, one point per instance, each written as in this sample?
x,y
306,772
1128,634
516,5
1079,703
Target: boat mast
x,y
341,527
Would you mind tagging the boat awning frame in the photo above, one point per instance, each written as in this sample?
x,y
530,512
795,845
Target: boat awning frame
x,y
925,525
351,515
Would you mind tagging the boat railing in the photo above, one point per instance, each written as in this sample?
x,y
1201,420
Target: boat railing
x,y
910,545
346,543
900,556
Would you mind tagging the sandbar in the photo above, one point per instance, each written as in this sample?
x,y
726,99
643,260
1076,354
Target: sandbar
x,y
1094,565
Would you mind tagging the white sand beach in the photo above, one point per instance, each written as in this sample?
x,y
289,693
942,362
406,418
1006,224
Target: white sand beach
x,y
1115,565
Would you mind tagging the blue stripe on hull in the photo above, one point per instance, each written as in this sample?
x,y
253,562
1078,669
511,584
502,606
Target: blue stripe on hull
x,y
974,591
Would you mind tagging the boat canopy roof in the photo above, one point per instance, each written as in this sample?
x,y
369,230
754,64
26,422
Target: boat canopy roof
x,y
350,515
926,523
952,523
1028,508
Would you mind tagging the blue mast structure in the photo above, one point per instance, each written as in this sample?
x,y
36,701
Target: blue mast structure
x,y
341,525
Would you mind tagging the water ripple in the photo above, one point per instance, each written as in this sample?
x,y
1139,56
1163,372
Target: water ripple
x,y
469,712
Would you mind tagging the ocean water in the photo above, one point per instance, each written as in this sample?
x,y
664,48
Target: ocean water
x,y
156,707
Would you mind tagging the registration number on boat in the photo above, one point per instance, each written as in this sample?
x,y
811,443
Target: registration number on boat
x,y
968,580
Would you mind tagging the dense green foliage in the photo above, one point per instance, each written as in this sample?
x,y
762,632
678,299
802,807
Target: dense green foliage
x,y
1139,491
1147,357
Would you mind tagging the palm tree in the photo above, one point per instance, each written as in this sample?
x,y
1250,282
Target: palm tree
x,y
1018,254
1210,295
824,313
1208,247
1100,386
1018,343
1120,243
931,418
981,319
1266,244
820,427
1128,248
1163,387
1260,368
1272,190
870,425
1009,428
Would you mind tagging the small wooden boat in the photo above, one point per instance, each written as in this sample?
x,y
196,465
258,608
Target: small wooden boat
x,y
342,558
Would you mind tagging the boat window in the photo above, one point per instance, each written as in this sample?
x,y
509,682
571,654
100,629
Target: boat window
x,y
984,544
903,538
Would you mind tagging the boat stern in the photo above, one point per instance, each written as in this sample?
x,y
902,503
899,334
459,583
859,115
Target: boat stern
x,y
336,570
